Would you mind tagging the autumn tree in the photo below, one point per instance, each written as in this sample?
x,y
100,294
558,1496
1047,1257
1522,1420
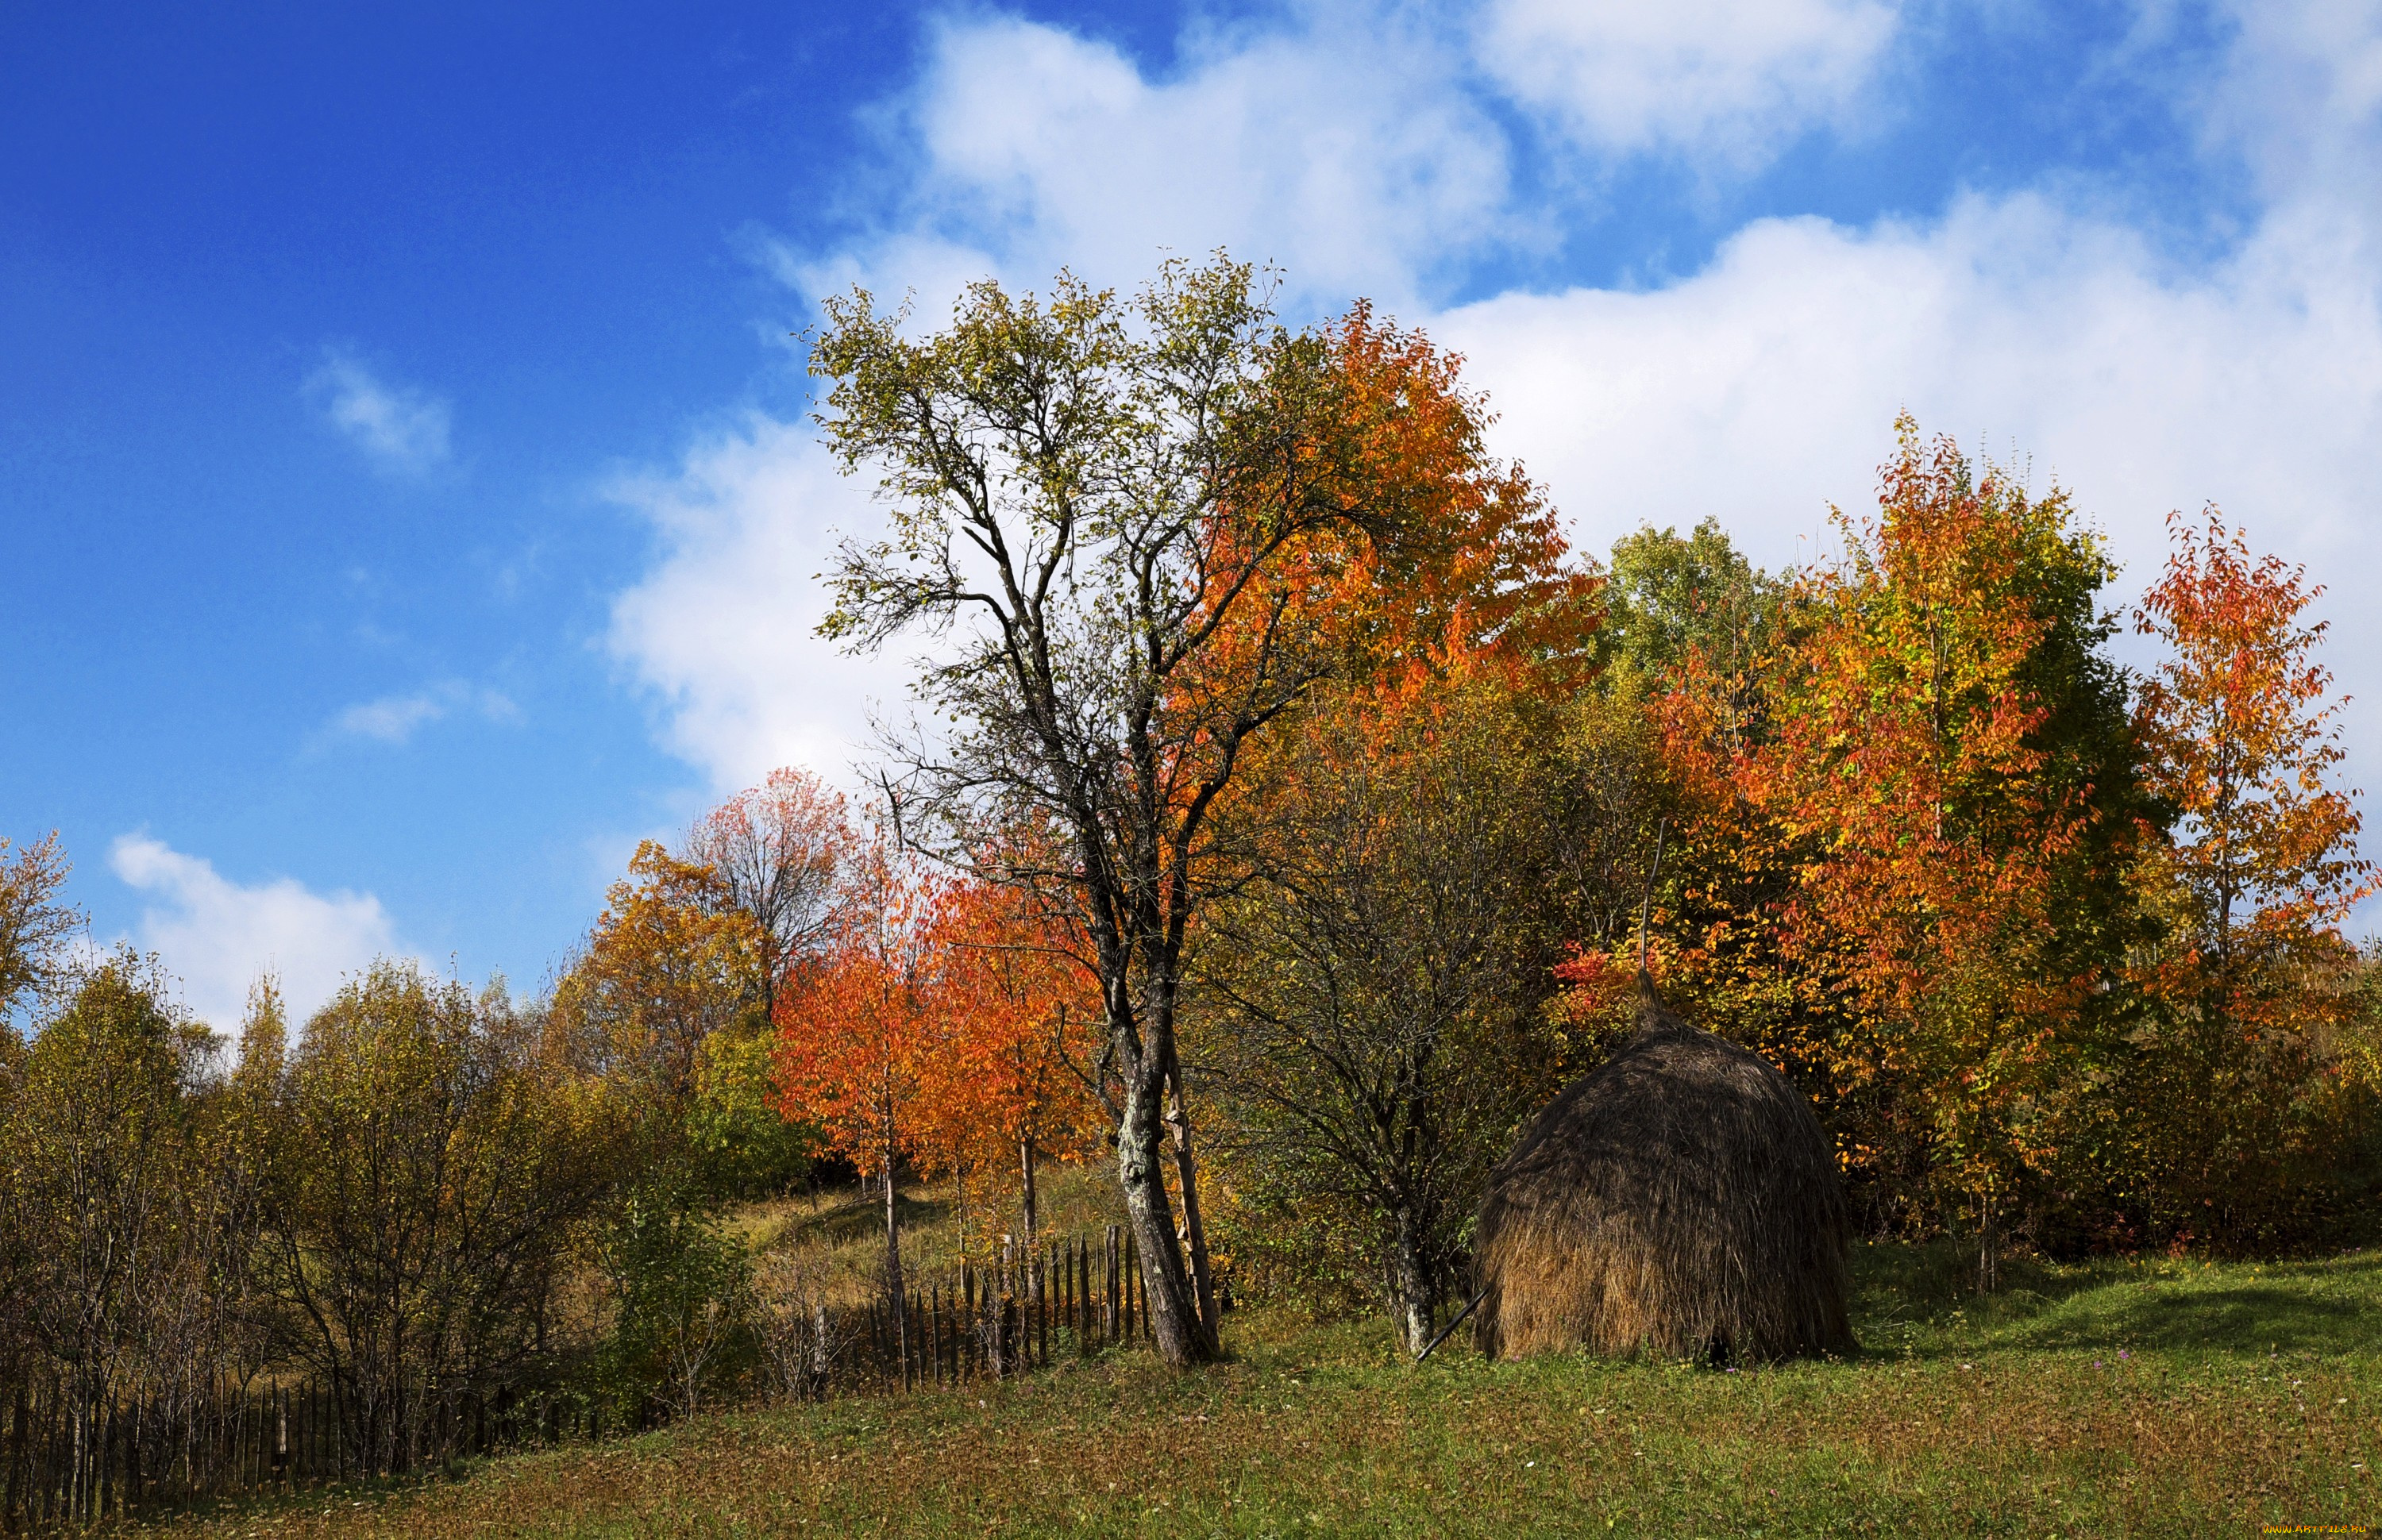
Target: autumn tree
x,y
34,927
1123,519
1475,562
1950,767
1086,495
2241,737
858,1045
102,1161
668,965
435,1164
1020,1024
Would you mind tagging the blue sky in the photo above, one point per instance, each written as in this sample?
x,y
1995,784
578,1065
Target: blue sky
x,y
404,475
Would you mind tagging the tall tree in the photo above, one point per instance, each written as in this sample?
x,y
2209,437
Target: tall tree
x,y
857,1044
1123,517
2242,733
1950,767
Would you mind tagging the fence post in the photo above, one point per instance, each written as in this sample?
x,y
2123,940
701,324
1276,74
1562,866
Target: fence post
x,y
1132,1277
996,1301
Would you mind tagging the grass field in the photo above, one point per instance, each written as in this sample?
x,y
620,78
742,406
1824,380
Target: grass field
x,y
2119,1397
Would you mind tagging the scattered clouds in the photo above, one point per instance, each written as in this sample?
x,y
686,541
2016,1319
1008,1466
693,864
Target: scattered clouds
x,y
394,719
1368,155
219,935
1729,79
1366,147
399,428
1761,387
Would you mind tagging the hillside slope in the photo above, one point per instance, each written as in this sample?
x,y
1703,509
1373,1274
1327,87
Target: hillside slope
x,y
2118,1399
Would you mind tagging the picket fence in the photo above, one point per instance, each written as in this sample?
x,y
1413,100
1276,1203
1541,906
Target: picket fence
x,y
1000,1321
62,1465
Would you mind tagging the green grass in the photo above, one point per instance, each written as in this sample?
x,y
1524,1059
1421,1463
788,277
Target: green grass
x,y
2118,1398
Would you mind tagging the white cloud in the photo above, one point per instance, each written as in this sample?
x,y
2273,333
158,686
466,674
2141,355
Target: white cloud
x,y
218,935
1729,78
1343,148
394,719
1763,387
397,427
723,627
1354,142
1757,389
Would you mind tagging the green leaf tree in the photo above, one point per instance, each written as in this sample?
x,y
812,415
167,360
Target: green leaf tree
x,y
1103,511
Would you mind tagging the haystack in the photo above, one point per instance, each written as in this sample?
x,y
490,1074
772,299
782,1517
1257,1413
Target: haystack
x,y
1681,1200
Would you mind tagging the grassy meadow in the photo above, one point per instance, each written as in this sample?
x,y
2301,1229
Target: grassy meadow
x,y
2121,1396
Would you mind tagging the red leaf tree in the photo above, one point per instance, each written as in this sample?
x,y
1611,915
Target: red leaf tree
x,y
859,1044
1019,1024
2241,733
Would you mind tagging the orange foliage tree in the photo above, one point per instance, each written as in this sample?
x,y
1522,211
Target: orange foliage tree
x,y
1927,835
2241,732
1020,1026
667,965
1473,581
1478,565
860,1045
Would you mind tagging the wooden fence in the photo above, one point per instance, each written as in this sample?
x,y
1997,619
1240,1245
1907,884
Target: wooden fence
x,y
1002,1320
62,1465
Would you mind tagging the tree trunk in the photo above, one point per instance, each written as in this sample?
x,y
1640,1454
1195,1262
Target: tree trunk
x,y
1417,1299
1166,1286
1033,1220
894,1265
1187,1171
1989,1262
1026,1164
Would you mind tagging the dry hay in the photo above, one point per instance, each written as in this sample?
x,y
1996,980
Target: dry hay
x,y
1681,1200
